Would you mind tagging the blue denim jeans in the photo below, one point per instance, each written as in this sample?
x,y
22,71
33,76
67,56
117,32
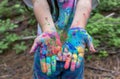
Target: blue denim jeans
x,y
60,72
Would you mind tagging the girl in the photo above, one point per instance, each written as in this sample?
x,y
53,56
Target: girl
x,y
54,58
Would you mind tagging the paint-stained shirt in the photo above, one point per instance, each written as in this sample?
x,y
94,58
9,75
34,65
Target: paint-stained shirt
x,y
62,11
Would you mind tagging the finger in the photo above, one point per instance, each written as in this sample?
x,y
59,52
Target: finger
x,y
91,48
33,48
48,61
43,52
65,57
81,51
60,56
43,64
90,44
73,62
37,42
67,61
79,60
53,63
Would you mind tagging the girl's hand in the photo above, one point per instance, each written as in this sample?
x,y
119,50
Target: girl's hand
x,y
50,45
74,47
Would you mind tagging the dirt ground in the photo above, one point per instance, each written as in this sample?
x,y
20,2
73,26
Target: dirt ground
x,y
13,66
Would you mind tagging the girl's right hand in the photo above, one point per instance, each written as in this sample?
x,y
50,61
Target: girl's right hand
x,y
50,45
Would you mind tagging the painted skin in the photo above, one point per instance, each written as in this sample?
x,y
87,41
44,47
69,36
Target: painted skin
x,y
75,43
63,21
50,46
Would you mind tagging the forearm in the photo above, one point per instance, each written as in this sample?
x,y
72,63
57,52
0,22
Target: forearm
x,y
43,15
82,13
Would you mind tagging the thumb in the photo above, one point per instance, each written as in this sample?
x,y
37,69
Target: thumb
x,y
89,43
91,48
34,46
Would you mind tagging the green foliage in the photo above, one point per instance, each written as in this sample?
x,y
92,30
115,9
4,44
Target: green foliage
x,y
6,37
11,37
108,5
106,31
96,42
115,41
7,8
11,11
89,57
32,21
103,53
6,25
7,40
3,46
19,48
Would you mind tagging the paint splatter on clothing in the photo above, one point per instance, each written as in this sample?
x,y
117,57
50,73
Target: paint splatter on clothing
x,y
63,12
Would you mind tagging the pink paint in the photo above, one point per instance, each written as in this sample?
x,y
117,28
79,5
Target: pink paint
x,y
69,3
67,63
72,66
44,35
35,47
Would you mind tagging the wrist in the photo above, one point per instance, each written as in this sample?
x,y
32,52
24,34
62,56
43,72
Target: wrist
x,y
75,26
77,30
49,30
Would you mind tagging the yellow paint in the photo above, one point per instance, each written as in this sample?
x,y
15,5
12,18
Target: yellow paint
x,y
75,56
81,54
80,50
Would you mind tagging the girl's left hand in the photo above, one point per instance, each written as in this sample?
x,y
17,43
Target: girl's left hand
x,y
74,47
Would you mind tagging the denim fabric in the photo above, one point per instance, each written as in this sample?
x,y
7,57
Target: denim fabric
x,y
60,72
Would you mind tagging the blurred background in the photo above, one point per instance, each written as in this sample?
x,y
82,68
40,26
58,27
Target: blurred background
x,y
18,30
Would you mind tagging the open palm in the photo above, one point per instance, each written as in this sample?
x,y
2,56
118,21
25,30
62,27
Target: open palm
x,y
50,45
74,47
